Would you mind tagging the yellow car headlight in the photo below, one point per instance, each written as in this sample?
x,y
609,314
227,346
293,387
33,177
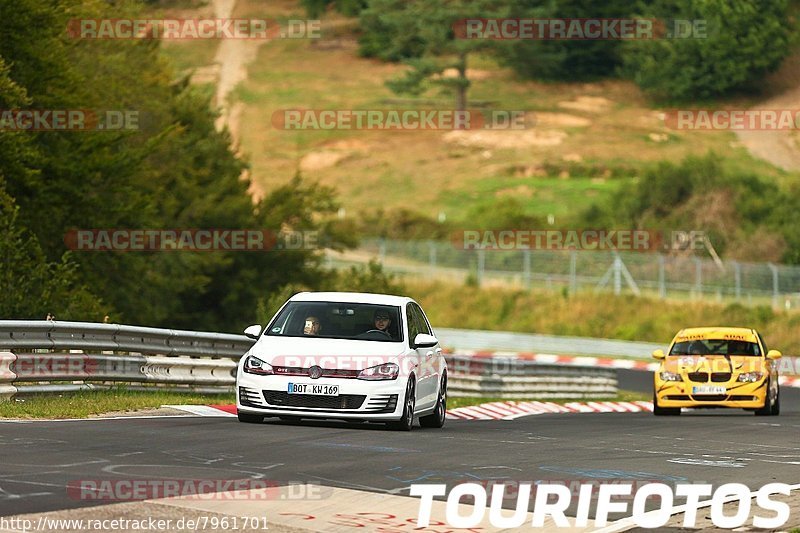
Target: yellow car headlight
x,y
750,377
670,376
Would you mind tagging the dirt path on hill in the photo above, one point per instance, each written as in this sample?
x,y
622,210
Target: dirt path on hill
x,y
233,56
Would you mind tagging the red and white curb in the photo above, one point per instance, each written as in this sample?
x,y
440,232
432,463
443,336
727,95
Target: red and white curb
x,y
515,409
486,411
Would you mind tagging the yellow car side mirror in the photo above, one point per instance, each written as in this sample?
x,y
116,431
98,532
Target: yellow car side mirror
x,y
658,354
774,354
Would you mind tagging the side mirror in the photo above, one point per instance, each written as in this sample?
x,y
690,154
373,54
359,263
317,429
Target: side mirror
x,y
658,354
423,340
253,331
774,354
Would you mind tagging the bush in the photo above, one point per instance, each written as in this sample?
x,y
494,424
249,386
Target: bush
x,y
746,39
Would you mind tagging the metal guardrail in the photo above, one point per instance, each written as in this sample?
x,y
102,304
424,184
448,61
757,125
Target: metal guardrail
x,y
38,357
506,377
88,336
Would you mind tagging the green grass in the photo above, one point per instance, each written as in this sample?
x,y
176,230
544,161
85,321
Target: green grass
x,y
84,404
622,396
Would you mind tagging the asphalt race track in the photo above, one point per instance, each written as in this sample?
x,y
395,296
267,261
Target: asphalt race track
x,y
39,459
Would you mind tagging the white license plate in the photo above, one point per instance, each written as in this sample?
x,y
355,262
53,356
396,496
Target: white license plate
x,y
313,389
709,390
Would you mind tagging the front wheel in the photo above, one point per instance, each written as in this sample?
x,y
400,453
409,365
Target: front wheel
x,y
406,422
664,411
249,419
772,405
437,418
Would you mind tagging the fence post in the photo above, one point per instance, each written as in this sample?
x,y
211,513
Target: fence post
x,y
698,277
775,292
662,285
526,268
481,265
573,272
617,275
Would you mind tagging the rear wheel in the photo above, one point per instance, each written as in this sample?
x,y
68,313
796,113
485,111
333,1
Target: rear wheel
x,y
664,411
437,418
249,419
406,422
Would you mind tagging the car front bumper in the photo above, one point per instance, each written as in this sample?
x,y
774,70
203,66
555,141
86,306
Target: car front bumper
x,y
357,399
737,395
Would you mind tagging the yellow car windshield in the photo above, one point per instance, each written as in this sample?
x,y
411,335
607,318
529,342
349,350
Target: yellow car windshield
x,y
715,347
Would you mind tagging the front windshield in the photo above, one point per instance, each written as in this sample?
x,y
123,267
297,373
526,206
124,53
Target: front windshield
x,y
337,320
715,347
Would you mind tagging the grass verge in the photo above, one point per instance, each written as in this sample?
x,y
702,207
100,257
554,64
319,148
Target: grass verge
x,y
84,404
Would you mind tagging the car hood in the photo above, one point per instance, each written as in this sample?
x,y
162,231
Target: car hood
x,y
714,363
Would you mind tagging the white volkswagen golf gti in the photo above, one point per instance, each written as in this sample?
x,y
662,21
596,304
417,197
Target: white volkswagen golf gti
x,y
350,356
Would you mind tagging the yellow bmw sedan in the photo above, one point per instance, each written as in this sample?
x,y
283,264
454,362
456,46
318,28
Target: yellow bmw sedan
x,y
717,367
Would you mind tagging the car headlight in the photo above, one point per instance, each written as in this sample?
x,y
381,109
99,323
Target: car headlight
x,y
254,365
384,371
670,376
750,377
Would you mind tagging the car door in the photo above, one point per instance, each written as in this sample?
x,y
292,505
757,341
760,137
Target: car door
x,y
429,367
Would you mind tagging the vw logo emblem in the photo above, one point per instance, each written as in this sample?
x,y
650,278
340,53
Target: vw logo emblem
x,y
314,372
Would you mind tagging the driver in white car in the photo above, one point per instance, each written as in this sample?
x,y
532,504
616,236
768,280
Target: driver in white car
x,y
382,321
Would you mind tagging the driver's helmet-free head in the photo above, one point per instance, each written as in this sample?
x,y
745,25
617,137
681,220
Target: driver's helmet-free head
x,y
382,318
311,326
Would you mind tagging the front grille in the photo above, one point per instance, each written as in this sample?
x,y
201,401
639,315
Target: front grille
x,y
711,398
343,401
720,377
698,377
326,372
677,397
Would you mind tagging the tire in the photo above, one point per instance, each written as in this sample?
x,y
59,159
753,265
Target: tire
x,y
770,408
664,411
406,422
249,419
776,407
437,418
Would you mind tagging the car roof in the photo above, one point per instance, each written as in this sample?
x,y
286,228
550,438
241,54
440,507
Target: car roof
x,y
717,333
351,297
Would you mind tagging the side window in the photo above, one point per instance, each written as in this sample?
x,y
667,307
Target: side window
x,y
421,321
413,327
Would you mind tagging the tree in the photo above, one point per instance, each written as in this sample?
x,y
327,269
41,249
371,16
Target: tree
x,y
422,34
746,39
564,60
